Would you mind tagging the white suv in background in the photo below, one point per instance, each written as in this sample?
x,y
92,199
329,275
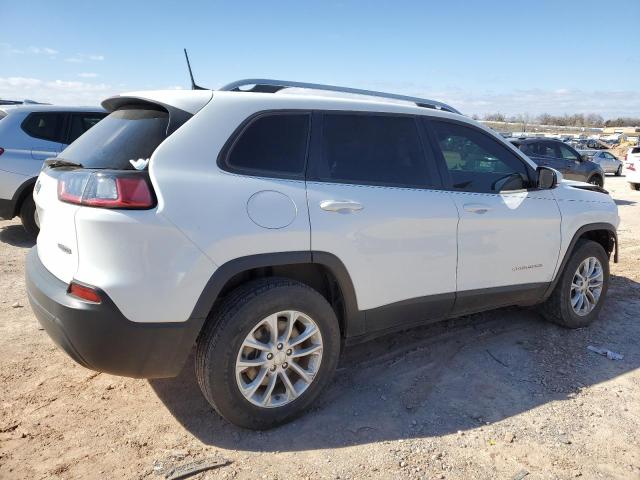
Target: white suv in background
x,y
29,134
271,229
632,167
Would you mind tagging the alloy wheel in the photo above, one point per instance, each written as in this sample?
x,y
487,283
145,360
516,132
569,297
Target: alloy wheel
x,y
586,286
279,359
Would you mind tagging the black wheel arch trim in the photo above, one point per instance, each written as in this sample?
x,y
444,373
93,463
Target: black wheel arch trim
x,y
576,236
354,319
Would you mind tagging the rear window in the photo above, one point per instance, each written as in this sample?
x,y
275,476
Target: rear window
x,y
635,150
129,133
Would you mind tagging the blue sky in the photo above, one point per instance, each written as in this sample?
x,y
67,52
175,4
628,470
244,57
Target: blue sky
x,y
485,56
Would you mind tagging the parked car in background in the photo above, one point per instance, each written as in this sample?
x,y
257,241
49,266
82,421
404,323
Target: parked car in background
x,y
20,102
29,134
271,230
607,161
632,167
591,144
562,157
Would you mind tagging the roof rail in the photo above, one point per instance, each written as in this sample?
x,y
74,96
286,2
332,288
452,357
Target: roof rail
x,y
263,85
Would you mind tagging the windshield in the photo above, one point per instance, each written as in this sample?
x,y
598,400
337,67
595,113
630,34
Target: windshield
x,y
126,137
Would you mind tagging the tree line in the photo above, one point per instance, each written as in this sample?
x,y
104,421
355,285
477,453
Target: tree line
x,y
566,120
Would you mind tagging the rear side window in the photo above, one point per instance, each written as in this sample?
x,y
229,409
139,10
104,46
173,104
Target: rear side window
x,y
81,122
371,150
45,126
272,144
476,162
129,133
540,149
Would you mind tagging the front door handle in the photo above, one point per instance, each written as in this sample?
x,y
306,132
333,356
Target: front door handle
x,y
340,206
476,208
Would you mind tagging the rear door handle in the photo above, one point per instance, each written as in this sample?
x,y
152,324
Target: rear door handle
x,y
476,208
340,206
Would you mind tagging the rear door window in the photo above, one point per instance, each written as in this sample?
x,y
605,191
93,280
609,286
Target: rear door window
x,y
81,122
371,149
125,135
45,126
273,144
539,149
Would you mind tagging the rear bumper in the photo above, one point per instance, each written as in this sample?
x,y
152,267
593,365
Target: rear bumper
x,y
99,337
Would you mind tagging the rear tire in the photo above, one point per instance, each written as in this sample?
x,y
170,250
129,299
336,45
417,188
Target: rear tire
x,y
243,318
619,171
28,216
634,186
559,307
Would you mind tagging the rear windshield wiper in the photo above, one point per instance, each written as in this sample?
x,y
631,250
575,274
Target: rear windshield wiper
x,y
61,162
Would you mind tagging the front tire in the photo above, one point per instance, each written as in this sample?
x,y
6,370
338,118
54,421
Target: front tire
x,y
634,186
28,216
270,349
578,296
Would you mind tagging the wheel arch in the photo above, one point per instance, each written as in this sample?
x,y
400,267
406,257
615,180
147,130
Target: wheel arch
x,y
603,233
26,188
322,271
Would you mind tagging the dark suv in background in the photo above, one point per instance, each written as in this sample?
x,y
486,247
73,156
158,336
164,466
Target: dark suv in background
x,y
556,154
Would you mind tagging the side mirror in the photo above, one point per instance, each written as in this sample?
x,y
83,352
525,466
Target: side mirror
x,y
584,157
514,181
547,178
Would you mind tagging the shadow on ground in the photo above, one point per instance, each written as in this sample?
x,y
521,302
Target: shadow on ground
x,y
17,236
437,379
625,202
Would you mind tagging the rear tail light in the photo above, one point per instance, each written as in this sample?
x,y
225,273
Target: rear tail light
x,y
84,292
625,157
631,166
121,190
1,150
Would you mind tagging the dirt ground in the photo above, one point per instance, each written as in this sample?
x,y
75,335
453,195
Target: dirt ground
x,y
496,395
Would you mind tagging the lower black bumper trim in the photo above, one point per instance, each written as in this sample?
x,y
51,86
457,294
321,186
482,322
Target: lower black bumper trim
x,y
100,337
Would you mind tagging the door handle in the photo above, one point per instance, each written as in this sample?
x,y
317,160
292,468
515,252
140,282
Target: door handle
x,y
476,208
340,206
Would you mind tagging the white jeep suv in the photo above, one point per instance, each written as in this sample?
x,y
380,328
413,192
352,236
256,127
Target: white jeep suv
x,y
271,229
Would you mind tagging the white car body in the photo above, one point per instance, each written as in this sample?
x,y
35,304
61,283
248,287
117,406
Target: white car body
x,y
403,244
632,166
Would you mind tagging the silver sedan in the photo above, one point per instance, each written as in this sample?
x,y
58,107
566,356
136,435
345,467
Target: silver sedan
x,y
607,161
